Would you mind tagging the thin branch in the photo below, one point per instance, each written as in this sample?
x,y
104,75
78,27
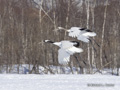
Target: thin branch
x,y
47,15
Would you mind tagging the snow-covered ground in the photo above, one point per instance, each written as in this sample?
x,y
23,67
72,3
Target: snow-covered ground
x,y
25,69
59,82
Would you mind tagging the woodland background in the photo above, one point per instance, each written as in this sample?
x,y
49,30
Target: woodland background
x,y
26,23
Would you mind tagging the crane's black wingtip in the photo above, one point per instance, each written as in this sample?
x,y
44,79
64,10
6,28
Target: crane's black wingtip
x,y
85,29
82,29
76,44
88,30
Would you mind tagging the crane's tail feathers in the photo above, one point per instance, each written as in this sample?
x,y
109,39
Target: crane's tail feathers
x,y
79,50
91,34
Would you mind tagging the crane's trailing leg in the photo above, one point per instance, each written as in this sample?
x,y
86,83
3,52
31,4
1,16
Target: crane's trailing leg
x,y
96,42
81,68
93,45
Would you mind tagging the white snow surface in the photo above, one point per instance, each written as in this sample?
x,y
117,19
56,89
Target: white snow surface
x,y
59,82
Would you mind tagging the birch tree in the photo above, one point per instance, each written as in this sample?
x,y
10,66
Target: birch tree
x,y
88,14
103,31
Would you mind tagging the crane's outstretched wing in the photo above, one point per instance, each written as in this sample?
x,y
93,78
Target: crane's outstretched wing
x,y
63,57
84,36
72,50
74,34
88,34
74,31
64,54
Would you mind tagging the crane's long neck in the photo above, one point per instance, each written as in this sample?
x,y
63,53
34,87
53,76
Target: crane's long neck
x,y
55,43
49,41
61,28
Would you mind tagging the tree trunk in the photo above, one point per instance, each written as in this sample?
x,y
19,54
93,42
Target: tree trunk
x,y
102,39
88,14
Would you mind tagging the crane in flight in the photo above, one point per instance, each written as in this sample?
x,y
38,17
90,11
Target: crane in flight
x,y
67,48
81,34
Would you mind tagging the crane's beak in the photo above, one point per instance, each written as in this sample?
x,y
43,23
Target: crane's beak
x,y
43,41
61,28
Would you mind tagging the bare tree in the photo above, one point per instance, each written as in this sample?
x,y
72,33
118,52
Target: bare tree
x,y
103,30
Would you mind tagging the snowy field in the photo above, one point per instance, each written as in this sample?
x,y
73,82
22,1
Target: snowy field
x,y
59,82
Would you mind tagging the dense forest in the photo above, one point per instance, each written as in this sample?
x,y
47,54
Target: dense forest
x,y
24,24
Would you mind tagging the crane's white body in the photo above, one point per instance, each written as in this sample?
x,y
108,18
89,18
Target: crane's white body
x,y
67,48
81,34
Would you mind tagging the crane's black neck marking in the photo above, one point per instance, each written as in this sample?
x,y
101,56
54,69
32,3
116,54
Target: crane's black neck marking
x,y
76,44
